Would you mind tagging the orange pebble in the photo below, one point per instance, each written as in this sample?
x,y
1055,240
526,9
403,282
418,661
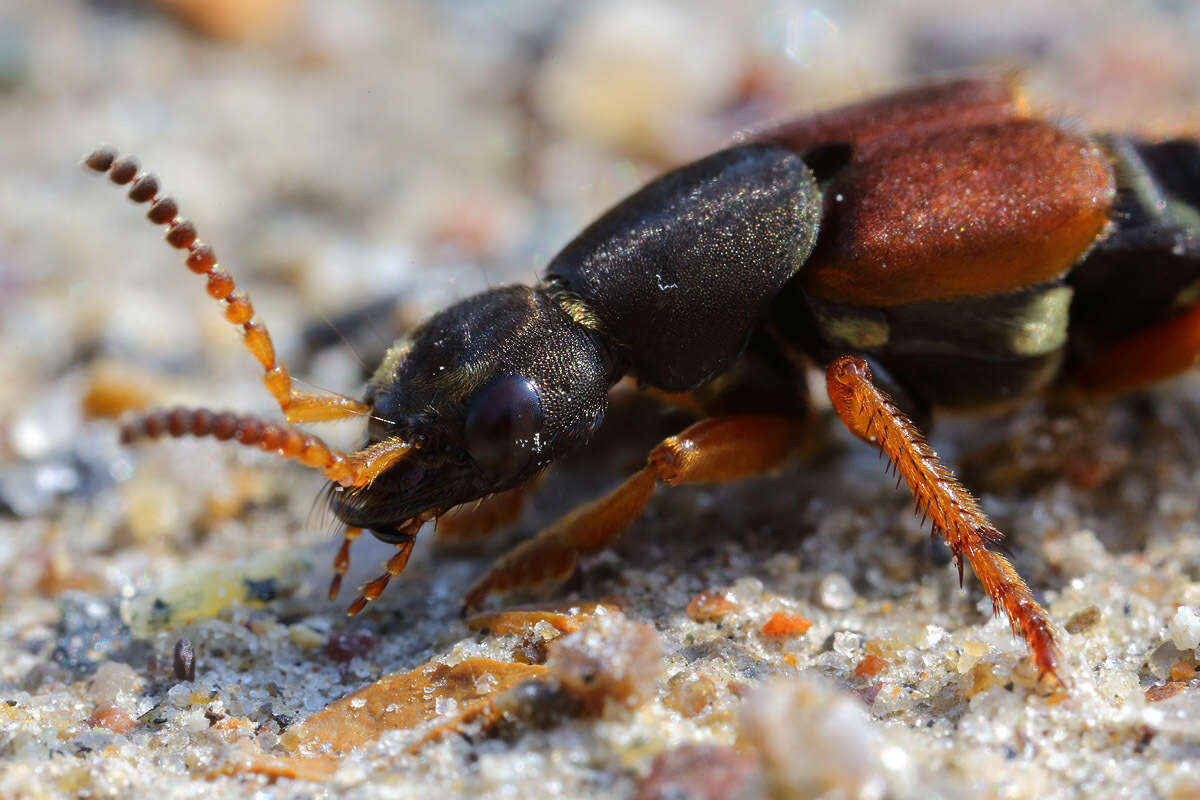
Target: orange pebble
x,y
111,718
785,626
870,666
710,606
1183,671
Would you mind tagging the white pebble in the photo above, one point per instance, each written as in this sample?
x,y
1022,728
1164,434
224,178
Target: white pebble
x,y
1116,685
815,741
835,592
625,72
1185,628
112,682
745,591
847,643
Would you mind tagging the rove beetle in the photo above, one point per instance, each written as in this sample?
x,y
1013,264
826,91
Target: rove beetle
x,y
937,247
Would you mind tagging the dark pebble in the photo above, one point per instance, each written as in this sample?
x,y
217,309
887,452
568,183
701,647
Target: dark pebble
x,y
344,646
184,665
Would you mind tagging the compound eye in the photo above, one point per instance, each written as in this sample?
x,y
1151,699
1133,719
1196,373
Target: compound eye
x,y
503,423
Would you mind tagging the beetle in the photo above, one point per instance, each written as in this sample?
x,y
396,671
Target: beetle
x,y
939,247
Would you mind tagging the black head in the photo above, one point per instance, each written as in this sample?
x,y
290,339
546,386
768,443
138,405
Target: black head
x,y
489,391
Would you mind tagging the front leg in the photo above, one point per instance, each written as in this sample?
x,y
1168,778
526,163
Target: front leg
x,y
713,450
467,524
956,516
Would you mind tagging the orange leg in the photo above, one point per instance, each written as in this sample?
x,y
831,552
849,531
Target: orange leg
x,y
956,516
473,521
341,561
1148,356
394,566
711,451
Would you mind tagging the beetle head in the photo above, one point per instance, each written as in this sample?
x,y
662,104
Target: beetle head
x,y
489,392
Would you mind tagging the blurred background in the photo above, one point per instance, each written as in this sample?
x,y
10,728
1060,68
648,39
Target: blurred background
x,y
336,153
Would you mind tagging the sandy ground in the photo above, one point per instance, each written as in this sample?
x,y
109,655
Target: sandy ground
x,y
371,150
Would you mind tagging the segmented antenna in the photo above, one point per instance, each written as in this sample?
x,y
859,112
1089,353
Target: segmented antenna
x,y
348,469
357,469
181,234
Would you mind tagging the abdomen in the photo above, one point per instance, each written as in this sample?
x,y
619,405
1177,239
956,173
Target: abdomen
x,y
945,257
1147,268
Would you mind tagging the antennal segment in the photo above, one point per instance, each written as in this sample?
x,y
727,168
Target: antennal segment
x,y
181,233
348,469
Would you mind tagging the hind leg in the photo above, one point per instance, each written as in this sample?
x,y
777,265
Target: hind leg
x,y
956,516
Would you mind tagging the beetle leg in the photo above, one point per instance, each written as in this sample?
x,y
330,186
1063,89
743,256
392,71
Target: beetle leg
x,y
714,450
474,521
341,561
955,514
1154,354
394,566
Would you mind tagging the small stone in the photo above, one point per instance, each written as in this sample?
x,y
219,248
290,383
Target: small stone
x,y
234,19
710,606
870,666
345,646
1084,620
835,592
689,693
1183,671
112,680
972,652
115,388
184,661
816,742
868,693
305,637
111,718
625,73
746,591
884,648
1116,685
1161,692
983,677
702,772
785,626
1162,659
610,658
1149,586
847,644
1184,628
